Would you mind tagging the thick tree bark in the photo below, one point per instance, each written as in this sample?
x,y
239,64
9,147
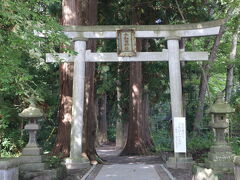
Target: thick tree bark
x,y
88,14
77,12
62,143
138,142
121,126
102,120
230,67
89,117
206,75
146,122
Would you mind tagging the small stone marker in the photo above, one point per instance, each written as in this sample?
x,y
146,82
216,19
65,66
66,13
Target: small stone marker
x,y
179,133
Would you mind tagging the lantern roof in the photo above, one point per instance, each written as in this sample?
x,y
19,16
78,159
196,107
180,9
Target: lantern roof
x,y
32,111
220,106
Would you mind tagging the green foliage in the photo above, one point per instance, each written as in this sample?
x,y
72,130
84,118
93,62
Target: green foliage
x,y
235,143
199,145
162,140
111,133
53,161
199,142
27,31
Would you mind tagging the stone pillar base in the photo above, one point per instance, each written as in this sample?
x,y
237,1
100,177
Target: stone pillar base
x,y
47,174
9,169
32,151
237,167
180,162
33,167
220,159
32,160
80,163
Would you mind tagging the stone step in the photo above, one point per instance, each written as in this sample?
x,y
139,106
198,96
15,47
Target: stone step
x,y
9,168
50,174
221,166
220,156
33,167
180,162
31,159
35,151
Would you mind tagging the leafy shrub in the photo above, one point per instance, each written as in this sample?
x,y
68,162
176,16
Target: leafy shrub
x,y
235,143
199,145
53,161
162,140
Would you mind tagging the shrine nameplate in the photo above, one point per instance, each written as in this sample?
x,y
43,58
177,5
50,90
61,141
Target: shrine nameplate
x,y
126,42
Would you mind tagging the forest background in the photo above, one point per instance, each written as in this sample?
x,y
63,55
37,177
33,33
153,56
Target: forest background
x,y
24,73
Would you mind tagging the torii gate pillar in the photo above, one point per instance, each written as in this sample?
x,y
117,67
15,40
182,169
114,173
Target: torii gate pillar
x,y
75,160
175,76
179,160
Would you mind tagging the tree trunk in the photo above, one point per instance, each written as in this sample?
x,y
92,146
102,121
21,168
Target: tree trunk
x,y
88,14
206,75
138,142
233,53
120,129
146,122
102,120
62,143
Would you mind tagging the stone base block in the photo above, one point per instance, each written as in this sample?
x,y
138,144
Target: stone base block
x,y
220,159
33,167
76,163
9,169
220,166
180,162
34,151
200,173
237,172
9,174
31,159
220,148
58,173
220,156
237,167
51,174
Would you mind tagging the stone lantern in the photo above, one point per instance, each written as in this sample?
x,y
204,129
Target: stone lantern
x,y
220,156
31,154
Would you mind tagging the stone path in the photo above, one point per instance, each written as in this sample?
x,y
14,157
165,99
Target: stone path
x,y
128,171
128,167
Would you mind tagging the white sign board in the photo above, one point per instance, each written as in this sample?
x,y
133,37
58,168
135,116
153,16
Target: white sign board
x,y
179,134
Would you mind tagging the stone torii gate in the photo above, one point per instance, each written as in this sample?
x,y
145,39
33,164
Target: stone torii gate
x,y
172,33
